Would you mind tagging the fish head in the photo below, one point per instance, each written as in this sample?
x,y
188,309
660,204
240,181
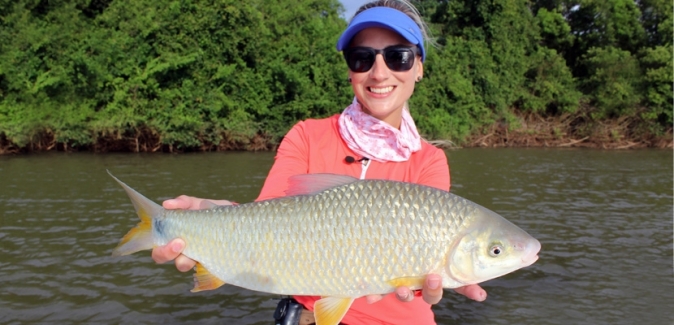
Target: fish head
x,y
489,247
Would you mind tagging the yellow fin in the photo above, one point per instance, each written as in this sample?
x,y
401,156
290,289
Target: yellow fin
x,y
204,280
140,237
331,310
412,282
137,239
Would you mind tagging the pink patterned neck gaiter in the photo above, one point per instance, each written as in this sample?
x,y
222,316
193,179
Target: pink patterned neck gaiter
x,y
370,137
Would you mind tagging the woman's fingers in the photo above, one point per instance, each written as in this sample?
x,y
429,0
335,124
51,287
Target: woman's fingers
x,y
184,263
473,291
172,251
168,252
373,298
182,202
185,202
404,294
432,290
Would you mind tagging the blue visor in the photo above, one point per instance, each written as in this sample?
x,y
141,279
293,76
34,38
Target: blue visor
x,y
386,18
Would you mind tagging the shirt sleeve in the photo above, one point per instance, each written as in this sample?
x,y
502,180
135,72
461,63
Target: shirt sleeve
x,y
291,159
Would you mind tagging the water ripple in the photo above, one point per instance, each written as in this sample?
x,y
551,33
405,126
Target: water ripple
x,y
604,220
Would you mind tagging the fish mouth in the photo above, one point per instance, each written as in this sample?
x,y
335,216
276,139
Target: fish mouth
x,y
530,255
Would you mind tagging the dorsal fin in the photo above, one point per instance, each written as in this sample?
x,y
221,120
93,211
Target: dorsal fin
x,y
306,184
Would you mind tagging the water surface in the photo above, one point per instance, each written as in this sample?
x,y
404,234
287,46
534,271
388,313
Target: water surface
x,y
604,219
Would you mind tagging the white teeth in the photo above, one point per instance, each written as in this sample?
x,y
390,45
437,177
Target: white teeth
x,y
381,90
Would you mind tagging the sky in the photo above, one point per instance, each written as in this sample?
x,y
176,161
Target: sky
x,y
351,6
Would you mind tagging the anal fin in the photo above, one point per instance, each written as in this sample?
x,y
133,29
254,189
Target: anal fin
x,y
412,282
331,310
204,280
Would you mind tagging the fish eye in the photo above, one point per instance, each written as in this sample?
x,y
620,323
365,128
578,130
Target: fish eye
x,y
495,251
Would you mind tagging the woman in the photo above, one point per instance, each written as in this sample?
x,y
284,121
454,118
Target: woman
x,y
375,137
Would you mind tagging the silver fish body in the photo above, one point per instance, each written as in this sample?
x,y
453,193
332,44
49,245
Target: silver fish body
x,y
355,238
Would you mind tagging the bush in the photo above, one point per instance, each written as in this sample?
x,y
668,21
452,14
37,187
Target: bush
x,y
657,67
612,83
549,88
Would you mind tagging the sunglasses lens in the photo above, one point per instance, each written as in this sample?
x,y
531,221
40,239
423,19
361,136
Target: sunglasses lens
x,y
399,59
360,60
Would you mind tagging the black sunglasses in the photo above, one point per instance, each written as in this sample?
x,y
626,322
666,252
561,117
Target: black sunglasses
x,y
398,58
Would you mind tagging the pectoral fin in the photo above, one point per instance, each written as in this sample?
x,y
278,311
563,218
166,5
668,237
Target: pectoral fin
x,y
331,310
412,282
204,280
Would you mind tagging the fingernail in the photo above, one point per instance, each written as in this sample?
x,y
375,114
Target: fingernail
x,y
402,296
433,283
177,248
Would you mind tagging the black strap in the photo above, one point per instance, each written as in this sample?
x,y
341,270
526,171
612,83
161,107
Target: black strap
x,y
288,312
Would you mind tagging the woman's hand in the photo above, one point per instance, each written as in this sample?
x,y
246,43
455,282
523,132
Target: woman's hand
x,y
432,292
185,202
473,291
172,250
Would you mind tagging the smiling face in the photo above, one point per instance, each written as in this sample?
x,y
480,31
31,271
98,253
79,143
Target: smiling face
x,y
381,91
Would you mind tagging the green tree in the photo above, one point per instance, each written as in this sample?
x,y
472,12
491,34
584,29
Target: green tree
x,y
602,24
613,82
657,21
197,74
446,103
501,34
304,72
550,88
37,81
656,62
657,67
186,72
555,30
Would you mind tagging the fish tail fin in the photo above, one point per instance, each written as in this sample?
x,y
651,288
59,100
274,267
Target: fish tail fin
x,y
139,237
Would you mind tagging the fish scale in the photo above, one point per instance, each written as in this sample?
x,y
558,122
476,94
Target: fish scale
x,y
338,237
323,229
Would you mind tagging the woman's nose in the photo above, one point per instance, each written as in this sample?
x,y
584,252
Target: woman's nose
x,y
379,70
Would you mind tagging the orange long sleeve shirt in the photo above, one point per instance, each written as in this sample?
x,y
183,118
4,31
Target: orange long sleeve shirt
x,y
315,146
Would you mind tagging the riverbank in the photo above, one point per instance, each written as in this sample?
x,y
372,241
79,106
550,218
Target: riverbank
x,y
524,131
571,131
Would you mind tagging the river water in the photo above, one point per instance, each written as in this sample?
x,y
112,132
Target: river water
x,y
604,219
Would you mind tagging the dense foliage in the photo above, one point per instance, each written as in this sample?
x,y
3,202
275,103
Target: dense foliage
x,y
178,74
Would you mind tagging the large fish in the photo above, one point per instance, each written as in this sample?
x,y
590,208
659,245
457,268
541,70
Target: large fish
x,y
337,237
